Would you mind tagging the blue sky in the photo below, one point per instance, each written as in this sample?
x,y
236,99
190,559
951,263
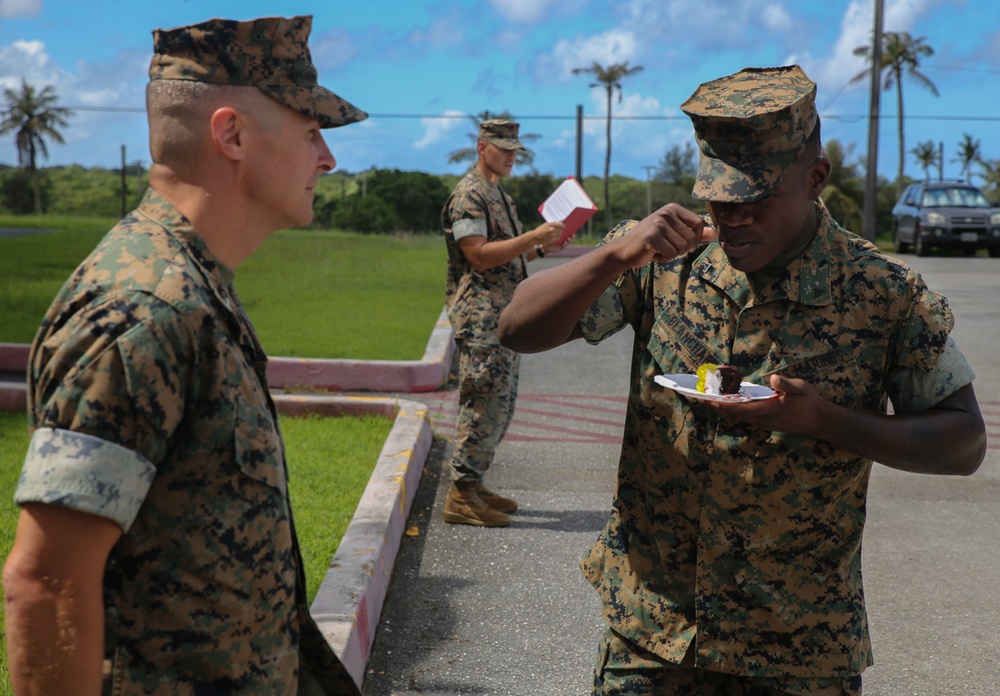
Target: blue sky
x,y
418,66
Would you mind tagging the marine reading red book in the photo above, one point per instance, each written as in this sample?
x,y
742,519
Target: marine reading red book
x,y
570,205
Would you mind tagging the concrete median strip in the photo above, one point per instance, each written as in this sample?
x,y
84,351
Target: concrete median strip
x,y
392,376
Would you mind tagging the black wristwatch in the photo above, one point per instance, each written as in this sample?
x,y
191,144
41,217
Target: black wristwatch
x,y
538,251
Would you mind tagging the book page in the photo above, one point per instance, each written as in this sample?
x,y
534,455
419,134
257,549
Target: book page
x,y
566,198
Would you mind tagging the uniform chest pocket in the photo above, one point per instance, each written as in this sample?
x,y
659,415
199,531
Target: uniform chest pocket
x,y
677,347
257,445
835,374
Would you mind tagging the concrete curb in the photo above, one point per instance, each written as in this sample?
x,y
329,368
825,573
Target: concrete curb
x,y
406,376
13,396
349,602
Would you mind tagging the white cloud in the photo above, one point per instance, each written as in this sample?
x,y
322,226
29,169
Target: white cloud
x,y
435,129
835,69
445,30
523,11
641,138
10,9
29,60
333,49
615,46
776,18
902,15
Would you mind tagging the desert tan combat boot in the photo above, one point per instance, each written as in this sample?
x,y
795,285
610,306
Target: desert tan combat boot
x,y
464,506
494,500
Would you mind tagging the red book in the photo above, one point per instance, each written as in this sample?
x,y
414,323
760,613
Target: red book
x,y
570,205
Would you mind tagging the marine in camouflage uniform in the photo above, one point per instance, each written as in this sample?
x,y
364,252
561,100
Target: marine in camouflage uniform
x,y
732,558
475,296
149,407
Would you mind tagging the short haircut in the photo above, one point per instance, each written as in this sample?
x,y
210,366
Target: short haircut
x,y
179,113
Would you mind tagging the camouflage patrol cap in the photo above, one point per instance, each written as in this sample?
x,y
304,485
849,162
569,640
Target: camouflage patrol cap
x,y
750,127
271,53
501,133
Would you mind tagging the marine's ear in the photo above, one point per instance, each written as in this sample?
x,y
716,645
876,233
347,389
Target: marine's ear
x,y
225,128
818,177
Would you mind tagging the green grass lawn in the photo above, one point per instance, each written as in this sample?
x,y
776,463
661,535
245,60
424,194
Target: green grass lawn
x,y
315,294
329,462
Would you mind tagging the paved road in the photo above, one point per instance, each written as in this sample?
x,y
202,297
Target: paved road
x,y
507,612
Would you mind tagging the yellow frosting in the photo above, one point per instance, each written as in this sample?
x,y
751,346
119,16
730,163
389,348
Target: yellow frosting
x,y
702,373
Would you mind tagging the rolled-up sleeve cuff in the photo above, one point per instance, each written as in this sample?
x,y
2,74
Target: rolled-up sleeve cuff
x,y
84,473
466,227
604,317
912,391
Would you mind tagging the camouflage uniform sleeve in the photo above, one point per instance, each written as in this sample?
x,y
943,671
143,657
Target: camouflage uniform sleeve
x,y
928,366
608,314
911,390
467,213
84,473
104,418
469,228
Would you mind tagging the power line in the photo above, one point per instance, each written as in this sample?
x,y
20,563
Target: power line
x,y
596,117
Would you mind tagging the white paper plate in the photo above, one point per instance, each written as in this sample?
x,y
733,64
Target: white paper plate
x,y
685,384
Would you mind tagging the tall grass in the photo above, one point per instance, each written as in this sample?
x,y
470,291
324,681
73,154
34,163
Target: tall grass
x,y
316,294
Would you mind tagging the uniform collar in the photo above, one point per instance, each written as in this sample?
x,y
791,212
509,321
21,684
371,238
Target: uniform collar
x,y
155,207
483,179
806,279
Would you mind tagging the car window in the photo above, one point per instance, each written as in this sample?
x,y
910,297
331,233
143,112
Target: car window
x,y
967,198
955,197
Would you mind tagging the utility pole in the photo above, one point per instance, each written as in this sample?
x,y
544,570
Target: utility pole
x,y
871,176
124,185
138,183
649,191
579,158
579,143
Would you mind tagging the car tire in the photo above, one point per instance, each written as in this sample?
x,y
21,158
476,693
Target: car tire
x,y
921,247
995,252
898,244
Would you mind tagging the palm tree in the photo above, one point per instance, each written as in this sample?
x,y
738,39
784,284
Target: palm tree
x,y
969,152
610,78
31,113
926,153
991,179
900,53
844,193
469,154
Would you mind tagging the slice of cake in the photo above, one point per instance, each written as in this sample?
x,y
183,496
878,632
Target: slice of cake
x,y
718,379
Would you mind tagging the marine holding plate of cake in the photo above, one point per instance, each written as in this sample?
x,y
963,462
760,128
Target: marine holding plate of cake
x,y
731,559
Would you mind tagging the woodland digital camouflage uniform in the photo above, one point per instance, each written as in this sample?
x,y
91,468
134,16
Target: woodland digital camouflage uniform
x,y
746,543
148,404
488,372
